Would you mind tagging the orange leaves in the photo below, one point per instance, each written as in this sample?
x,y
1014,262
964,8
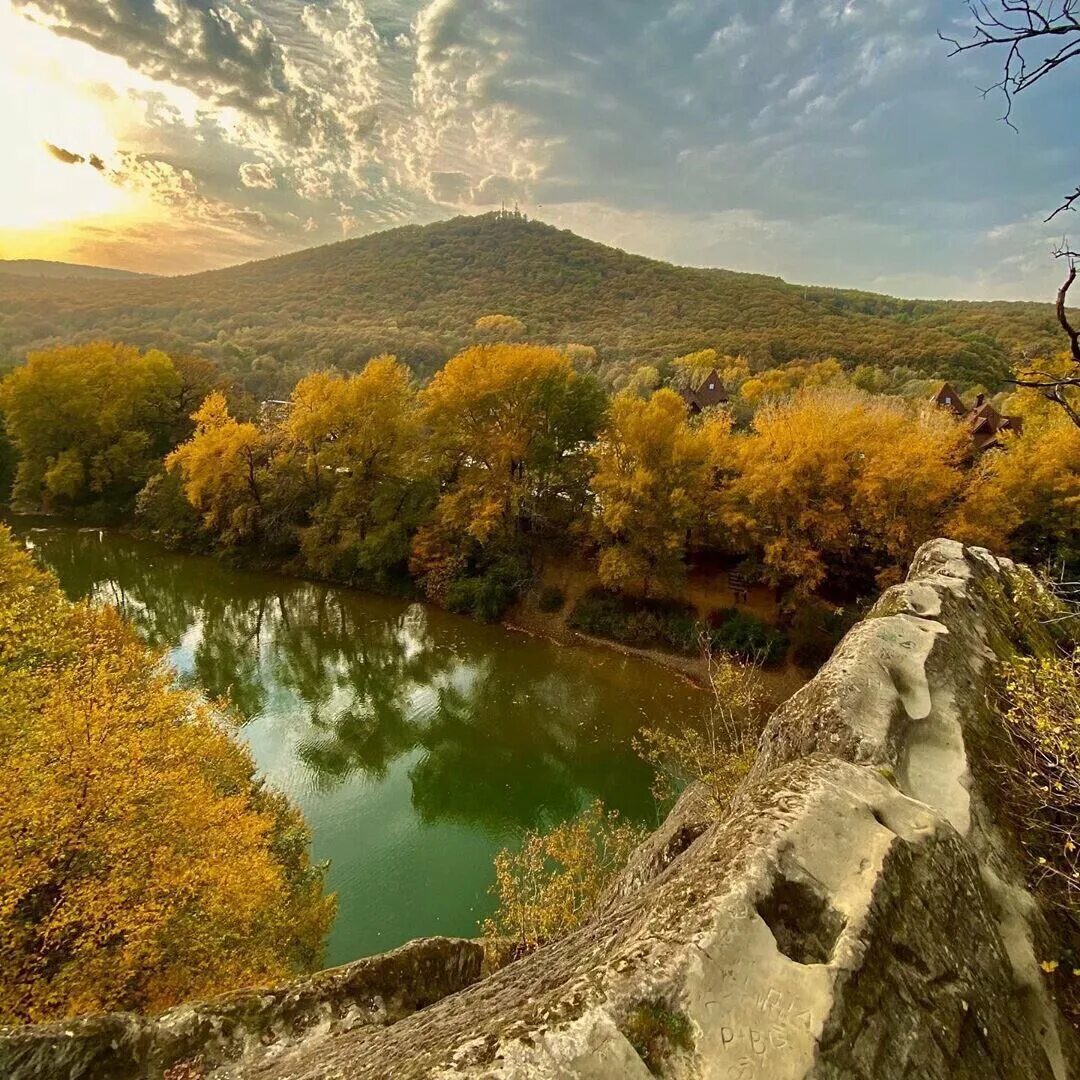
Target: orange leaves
x,y
137,860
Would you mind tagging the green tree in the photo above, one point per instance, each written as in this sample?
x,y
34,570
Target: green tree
x,y
89,422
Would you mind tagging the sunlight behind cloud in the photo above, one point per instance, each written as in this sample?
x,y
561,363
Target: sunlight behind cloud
x,y
64,94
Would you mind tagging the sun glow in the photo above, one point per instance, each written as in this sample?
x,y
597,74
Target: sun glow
x,y
61,92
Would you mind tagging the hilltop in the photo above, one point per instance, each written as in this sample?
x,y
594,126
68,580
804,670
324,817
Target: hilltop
x,y
46,268
417,291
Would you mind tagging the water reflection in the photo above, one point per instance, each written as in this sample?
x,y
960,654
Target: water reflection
x,y
417,743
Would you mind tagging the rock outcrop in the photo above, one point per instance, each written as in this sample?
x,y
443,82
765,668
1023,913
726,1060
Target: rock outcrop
x,y
192,1041
858,913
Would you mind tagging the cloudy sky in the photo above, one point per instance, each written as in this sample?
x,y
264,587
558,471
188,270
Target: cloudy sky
x,y
828,141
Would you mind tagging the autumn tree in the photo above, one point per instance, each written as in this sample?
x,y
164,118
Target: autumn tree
x,y
507,429
1024,497
837,483
141,861
583,357
89,422
774,383
500,328
653,482
688,371
223,468
358,441
643,381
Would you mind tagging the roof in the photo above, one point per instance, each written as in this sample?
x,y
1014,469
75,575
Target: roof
x,y
708,390
985,421
948,398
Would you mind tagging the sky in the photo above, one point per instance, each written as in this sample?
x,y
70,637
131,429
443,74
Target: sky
x,y
827,141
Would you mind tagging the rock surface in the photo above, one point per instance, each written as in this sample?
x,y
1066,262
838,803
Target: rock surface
x,y
187,1042
858,912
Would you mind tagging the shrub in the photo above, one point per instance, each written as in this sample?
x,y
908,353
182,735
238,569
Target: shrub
x,y
742,635
1043,720
550,886
552,599
667,624
1041,788
488,595
717,750
656,1032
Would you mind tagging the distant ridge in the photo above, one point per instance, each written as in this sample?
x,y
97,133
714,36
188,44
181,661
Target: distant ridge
x,y
417,292
44,268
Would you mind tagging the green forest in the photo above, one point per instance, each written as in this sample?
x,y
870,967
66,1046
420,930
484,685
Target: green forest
x,y
418,291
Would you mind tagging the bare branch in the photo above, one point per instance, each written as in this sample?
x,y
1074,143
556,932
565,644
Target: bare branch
x,y
1036,37
1062,313
1068,204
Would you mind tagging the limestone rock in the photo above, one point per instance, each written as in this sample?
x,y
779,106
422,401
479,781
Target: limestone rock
x,y
858,913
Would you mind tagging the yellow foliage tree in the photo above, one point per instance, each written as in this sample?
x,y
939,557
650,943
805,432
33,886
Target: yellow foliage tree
x,y
358,440
653,483
1024,497
836,479
500,327
687,371
779,382
141,863
507,425
222,467
549,887
89,421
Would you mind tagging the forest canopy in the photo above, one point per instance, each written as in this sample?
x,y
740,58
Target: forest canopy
x,y
425,292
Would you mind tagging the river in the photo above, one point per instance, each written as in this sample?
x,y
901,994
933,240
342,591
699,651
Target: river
x,y
417,743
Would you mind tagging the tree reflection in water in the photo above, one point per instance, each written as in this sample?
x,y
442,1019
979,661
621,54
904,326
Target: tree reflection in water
x,y
416,742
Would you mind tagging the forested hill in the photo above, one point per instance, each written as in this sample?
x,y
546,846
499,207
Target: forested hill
x,y
46,268
417,292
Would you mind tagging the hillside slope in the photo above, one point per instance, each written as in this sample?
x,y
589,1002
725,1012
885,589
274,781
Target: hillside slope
x,y
46,268
417,291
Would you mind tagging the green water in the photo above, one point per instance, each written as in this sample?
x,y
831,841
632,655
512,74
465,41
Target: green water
x,y
416,743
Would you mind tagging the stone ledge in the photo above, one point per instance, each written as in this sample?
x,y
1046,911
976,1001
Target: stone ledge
x,y
226,1030
857,914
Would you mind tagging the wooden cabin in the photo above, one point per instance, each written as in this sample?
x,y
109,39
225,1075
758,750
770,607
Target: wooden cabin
x,y
707,392
983,420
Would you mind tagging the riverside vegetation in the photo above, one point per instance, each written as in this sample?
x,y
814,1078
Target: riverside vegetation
x,y
141,861
513,453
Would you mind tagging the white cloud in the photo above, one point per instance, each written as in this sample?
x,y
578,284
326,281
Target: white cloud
x,y
256,174
689,130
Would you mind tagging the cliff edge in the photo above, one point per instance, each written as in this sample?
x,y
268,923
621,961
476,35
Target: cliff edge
x,y
859,912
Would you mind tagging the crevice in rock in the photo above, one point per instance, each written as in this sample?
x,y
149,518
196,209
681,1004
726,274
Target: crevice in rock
x,y
804,923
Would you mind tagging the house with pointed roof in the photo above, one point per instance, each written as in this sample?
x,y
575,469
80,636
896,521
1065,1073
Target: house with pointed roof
x,y
983,420
948,398
704,393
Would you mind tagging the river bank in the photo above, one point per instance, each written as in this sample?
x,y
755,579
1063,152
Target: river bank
x,y
416,743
